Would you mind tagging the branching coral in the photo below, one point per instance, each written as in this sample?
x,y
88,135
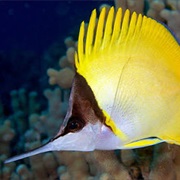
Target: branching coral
x,y
132,5
7,133
64,76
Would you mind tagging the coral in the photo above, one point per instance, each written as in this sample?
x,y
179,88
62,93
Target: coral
x,y
108,163
155,7
57,110
132,5
163,161
74,169
63,77
24,172
7,133
20,101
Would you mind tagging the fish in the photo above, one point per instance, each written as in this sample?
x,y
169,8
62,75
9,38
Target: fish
x,y
126,89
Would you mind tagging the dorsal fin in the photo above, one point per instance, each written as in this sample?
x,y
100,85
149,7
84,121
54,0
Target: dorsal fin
x,y
117,31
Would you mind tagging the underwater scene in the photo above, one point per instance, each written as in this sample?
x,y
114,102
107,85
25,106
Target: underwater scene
x,y
54,96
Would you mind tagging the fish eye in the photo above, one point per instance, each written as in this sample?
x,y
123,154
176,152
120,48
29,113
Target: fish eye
x,y
74,124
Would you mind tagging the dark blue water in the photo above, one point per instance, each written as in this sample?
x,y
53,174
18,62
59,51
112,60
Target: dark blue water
x,y
28,29
36,24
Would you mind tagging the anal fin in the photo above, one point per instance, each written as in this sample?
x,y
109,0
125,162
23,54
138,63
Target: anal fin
x,y
143,143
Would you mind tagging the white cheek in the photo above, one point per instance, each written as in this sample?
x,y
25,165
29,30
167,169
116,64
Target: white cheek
x,y
107,140
84,140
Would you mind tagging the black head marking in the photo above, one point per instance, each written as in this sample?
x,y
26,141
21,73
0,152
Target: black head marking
x,y
83,108
84,103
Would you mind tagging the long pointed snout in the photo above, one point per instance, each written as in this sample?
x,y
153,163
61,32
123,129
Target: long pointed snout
x,y
79,141
44,148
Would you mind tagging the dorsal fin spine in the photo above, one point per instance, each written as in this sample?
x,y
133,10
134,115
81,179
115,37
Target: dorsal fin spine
x,y
131,36
132,24
90,33
108,28
124,28
80,45
117,26
138,25
99,31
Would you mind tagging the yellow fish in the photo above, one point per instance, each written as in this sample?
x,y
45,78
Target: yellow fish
x,y
126,91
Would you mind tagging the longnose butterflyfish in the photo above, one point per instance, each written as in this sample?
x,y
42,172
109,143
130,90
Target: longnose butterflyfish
x,y
126,90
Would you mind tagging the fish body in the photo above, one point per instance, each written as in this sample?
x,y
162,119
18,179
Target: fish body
x,y
126,91
134,72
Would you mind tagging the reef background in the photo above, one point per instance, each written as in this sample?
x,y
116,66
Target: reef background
x,y
42,36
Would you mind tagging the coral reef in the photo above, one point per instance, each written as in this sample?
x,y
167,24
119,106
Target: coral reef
x,y
137,6
65,75
30,126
